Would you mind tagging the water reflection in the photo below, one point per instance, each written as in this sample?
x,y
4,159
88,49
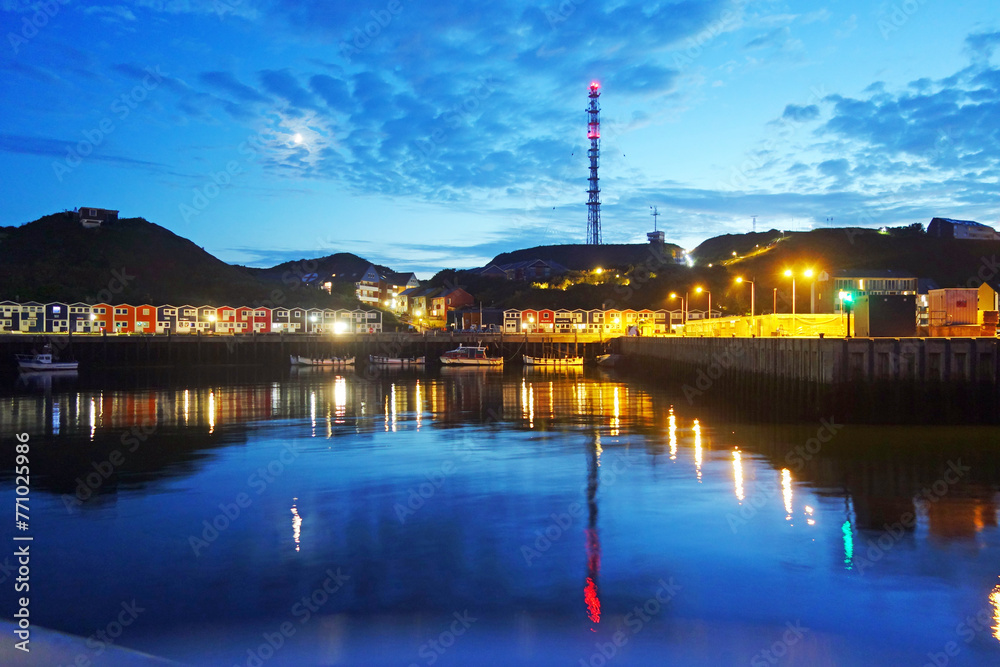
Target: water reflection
x,y
296,525
696,427
593,540
738,474
462,548
995,600
786,492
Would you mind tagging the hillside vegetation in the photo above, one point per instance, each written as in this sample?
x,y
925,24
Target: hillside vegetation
x,y
579,257
131,261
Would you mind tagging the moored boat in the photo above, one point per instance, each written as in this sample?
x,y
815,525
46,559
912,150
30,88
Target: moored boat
x,y
43,362
396,361
553,362
329,361
469,355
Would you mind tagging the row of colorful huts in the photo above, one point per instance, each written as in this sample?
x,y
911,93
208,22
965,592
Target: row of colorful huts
x,y
34,317
598,321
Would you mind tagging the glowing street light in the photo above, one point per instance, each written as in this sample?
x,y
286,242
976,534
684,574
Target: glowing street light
x,y
673,295
790,274
752,289
699,290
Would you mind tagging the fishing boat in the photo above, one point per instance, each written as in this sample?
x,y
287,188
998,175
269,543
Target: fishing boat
x,y
329,361
43,363
553,362
469,355
380,360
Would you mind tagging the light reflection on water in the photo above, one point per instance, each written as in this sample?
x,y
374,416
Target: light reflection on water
x,y
427,489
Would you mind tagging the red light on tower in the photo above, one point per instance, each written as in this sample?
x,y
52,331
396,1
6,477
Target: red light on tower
x,y
594,85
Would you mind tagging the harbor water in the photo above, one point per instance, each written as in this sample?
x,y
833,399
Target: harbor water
x,y
489,517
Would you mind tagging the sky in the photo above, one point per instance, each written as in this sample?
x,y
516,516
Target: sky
x,y
430,135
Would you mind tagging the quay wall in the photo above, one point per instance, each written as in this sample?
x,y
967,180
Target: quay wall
x,y
865,379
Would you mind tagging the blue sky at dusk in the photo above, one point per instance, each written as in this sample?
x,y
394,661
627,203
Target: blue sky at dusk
x,y
431,135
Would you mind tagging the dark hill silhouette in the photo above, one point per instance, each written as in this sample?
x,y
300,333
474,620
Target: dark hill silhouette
x,y
579,257
130,261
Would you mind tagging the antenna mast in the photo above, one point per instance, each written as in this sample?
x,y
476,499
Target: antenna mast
x,y
655,213
594,191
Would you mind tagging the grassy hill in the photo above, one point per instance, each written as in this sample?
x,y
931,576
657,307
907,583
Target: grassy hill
x,y
578,257
949,262
131,261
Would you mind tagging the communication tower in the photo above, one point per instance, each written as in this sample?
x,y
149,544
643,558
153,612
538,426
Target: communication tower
x,y
594,191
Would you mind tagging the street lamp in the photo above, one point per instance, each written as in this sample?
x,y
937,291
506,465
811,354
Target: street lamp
x,y
808,273
673,295
699,290
752,289
790,274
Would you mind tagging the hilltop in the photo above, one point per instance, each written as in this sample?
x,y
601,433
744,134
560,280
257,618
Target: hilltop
x,y
131,260
580,257
948,262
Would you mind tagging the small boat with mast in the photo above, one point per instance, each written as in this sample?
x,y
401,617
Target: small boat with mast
x,y
470,355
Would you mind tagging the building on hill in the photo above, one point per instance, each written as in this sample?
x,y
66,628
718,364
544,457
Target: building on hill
x,y
947,228
367,287
392,284
448,300
382,288
95,217
857,283
529,269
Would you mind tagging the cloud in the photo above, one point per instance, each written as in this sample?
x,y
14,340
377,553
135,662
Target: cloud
x,y
281,83
334,92
771,38
227,83
111,14
982,44
58,148
800,114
